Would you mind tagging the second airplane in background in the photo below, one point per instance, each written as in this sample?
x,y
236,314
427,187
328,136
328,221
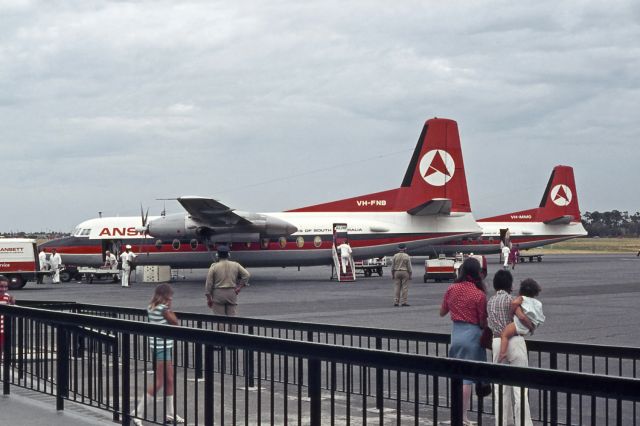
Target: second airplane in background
x,y
556,219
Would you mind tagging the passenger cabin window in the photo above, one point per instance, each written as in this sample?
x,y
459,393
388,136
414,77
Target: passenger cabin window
x,y
158,244
194,244
317,241
282,241
176,244
300,242
264,243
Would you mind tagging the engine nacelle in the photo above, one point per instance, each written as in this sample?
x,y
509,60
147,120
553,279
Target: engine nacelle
x,y
173,226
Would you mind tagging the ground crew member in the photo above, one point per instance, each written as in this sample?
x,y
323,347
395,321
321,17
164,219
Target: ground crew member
x,y
345,255
225,279
44,265
127,259
56,262
110,260
401,274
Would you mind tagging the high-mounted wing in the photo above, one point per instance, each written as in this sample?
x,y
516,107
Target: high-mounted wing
x,y
208,211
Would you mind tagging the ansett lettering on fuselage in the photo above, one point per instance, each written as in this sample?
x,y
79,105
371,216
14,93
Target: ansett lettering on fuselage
x,y
120,232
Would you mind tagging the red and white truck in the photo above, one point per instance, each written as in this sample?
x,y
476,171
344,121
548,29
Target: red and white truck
x,y
19,261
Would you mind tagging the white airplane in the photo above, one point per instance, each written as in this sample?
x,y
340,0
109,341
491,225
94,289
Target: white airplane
x,y
556,219
430,207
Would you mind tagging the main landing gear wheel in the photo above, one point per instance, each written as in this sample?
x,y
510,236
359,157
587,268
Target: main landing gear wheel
x,y
367,272
65,276
379,272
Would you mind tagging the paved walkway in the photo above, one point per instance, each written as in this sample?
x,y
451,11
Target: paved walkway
x,y
24,407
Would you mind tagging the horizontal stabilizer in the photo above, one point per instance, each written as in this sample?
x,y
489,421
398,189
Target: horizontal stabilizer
x,y
436,206
562,220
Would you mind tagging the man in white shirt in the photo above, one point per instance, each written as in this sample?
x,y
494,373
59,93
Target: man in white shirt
x,y
44,264
127,258
505,255
56,262
110,260
345,255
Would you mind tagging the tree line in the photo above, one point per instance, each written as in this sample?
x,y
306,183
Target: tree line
x,y
612,224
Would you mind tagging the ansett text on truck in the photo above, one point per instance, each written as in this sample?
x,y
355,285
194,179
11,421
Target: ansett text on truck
x,y
11,249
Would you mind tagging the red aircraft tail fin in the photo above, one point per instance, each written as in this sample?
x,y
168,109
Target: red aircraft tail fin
x,y
560,200
434,183
559,203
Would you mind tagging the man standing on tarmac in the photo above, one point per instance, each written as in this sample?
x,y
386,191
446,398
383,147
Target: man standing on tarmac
x,y
44,265
401,274
225,279
56,262
126,258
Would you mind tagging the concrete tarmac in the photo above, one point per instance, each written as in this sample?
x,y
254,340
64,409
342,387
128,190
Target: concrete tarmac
x,y
586,299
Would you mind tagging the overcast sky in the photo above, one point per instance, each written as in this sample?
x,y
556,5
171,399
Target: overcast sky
x,y
272,105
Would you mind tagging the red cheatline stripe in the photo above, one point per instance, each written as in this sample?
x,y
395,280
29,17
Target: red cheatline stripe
x,y
17,266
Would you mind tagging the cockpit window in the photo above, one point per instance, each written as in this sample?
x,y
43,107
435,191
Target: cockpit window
x,y
85,232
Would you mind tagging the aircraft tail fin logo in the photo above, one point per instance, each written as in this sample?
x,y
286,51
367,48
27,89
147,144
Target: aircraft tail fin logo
x,y
437,167
561,195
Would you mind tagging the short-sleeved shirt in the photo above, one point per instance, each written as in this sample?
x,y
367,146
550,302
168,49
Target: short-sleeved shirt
x,y
156,316
401,262
466,303
225,274
498,308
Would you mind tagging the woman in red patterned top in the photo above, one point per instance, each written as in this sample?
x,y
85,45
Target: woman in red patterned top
x,y
466,302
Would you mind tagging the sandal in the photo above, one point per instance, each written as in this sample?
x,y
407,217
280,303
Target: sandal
x,y
178,419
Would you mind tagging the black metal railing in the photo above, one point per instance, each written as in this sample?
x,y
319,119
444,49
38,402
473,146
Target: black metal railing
x,y
92,360
594,359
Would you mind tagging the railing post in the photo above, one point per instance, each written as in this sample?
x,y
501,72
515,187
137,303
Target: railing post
x,y
379,377
300,361
62,367
125,340
457,403
553,365
198,355
6,354
314,379
115,374
208,385
249,363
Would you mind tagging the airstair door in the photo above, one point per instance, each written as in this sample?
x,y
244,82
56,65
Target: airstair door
x,y
343,265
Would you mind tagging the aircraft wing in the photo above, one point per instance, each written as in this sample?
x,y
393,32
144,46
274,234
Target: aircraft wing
x,y
435,206
211,212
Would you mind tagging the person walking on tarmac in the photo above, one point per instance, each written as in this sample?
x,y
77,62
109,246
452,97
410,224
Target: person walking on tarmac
x,y
401,274
345,255
224,281
506,251
127,258
55,261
